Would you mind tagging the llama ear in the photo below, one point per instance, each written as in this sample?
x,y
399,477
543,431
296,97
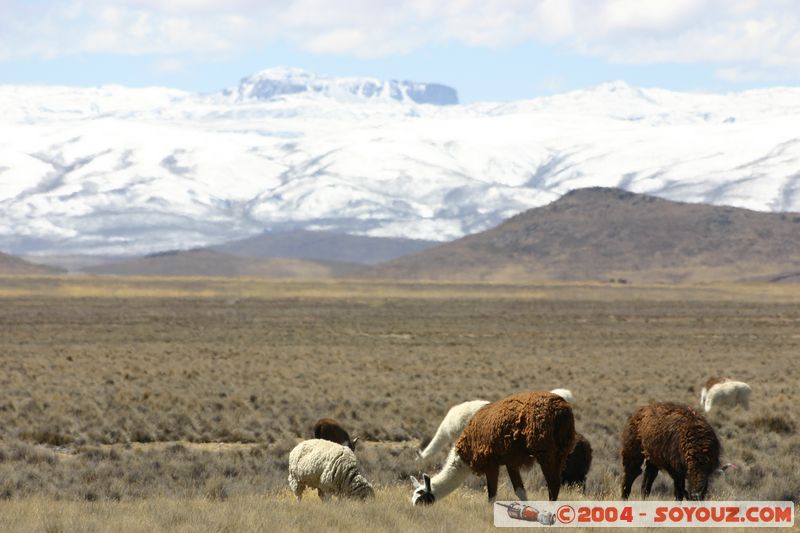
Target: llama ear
x,y
416,484
427,479
721,470
353,442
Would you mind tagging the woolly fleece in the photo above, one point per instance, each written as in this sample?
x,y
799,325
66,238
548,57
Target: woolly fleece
x,y
330,468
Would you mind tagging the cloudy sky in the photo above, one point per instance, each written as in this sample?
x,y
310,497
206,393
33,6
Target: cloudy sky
x,y
487,49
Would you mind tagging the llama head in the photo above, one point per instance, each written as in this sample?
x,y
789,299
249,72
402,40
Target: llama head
x,y
698,484
700,477
422,495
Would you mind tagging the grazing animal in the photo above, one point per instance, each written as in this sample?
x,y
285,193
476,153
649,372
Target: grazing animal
x,y
451,426
710,382
456,420
329,467
515,431
329,429
727,394
578,463
674,438
564,393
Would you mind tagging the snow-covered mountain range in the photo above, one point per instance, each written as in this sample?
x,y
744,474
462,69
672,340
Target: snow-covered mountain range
x,y
274,82
115,170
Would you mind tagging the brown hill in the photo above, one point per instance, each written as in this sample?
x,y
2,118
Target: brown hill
x,y
75,262
602,234
324,246
13,266
210,263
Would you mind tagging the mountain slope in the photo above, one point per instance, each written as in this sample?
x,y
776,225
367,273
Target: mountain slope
x,y
324,246
602,233
210,263
120,171
74,263
12,266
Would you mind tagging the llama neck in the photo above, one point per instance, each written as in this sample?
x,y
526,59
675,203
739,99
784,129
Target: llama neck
x,y
438,441
453,474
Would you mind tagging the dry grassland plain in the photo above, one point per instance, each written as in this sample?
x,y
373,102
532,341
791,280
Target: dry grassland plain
x,y
171,404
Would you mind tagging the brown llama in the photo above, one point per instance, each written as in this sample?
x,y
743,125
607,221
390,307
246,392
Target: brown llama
x,y
516,431
674,438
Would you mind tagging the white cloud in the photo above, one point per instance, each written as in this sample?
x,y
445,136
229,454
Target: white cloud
x,y
555,18
764,35
618,16
100,41
337,42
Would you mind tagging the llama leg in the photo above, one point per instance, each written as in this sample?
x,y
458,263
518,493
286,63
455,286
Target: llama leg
x,y
551,468
492,474
632,459
680,486
516,482
322,496
650,473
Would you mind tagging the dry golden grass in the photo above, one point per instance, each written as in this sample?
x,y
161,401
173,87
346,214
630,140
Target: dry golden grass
x,y
233,289
112,389
390,511
464,510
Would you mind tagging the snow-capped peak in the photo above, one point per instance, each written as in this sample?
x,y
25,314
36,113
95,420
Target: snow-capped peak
x,y
282,81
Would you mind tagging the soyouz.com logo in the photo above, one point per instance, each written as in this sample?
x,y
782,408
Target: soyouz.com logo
x,y
728,514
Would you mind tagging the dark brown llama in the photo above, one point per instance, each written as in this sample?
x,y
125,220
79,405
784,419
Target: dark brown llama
x,y
674,438
513,432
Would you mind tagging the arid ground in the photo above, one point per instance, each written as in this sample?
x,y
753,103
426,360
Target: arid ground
x,y
172,404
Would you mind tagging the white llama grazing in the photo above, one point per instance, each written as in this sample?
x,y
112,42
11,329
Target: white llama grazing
x,y
728,394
